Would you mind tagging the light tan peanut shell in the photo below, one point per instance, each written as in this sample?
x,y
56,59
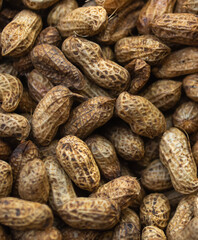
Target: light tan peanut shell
x,y
33,182
19,35
78,162
24,215
191,6
105,156
122,190
178,63
155,210
52,111
156,177
147,47
61,188
176,155
14,125
142,116
6,179
88,56
88,116
164,94
84,21
90,213
153,233
190,86
128,227
37,5
5,150
11,90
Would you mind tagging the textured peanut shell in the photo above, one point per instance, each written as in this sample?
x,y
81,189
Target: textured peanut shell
x,y
153,233
61,188
164,94
23,65
33,182
84,21
52,111
37,5
178,28
70,233
5,150
24,215
11,90
190,86
128,145
186,117
156,177
191,6
14,125
23,153
51,63
78,162
48,151
105,156
176,155
88,56
8,68
144,118
150,11
60,10
88,116
155,210
26,104
108,53
122,190
19,35
90,213
6,179
178,63
128,227
146,47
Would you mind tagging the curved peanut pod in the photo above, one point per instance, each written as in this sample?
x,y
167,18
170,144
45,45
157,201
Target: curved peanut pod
x,y
37,5
90,213
122,190
24,215
78,162
11,90
6,179
176,155
153,233
14,125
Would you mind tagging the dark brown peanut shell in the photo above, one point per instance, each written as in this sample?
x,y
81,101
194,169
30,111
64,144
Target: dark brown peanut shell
x,y
90,213
190,85
24,215
52,111
3,235
105,156
174,198
48,151
23,153
164,94
14,125
155,210
153,233
5,150
181,28
186,117
26,104
144,118
108,53
122,190
51,63
78,162
105,235
146,47
11,90
88,56
61,188
88,116
6,179
70,233
23,65
19,35
178,63
8,67
33,182
195,152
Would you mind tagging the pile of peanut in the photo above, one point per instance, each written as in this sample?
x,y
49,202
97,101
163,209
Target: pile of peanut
x,y
98,120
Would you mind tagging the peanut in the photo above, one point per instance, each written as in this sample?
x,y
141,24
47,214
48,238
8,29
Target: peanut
x,y
190,85
153,233
37,5
70,233
6,179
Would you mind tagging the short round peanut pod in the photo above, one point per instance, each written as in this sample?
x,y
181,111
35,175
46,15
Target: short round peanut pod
x,y
90,213
144,118
6,179
186,117
123,190
24,215
155,210
153,233
33,182
78,162
190,85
